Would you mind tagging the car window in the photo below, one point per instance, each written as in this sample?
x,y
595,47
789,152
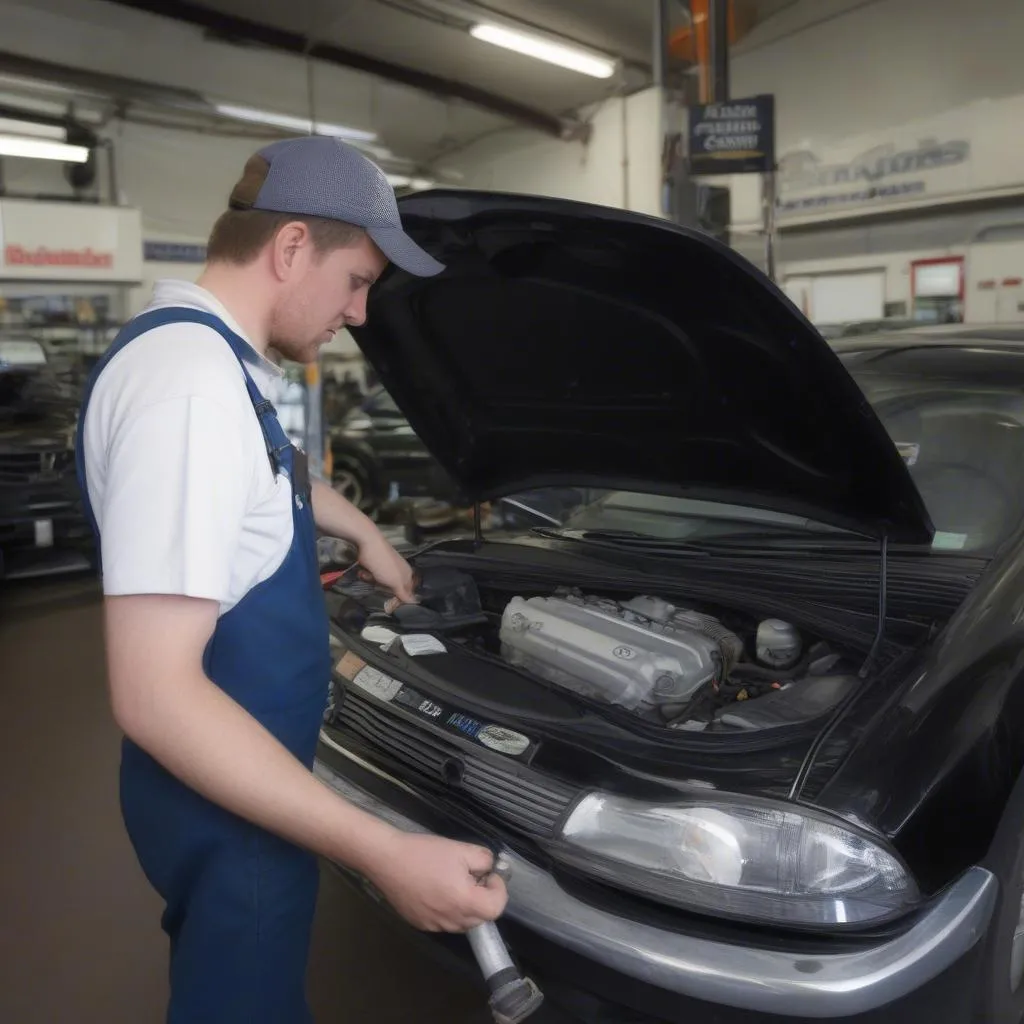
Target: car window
x,y
964,445
962,441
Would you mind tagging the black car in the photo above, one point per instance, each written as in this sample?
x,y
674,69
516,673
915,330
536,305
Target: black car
x,y
377,456
749,725
43,529
856,328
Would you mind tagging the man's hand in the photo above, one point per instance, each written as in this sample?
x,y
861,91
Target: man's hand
x,y
388,568
439,885
339,518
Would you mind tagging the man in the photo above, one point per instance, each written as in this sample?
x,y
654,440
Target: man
x,y
216,628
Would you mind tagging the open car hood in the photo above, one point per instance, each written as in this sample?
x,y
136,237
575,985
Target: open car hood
x,y
568,344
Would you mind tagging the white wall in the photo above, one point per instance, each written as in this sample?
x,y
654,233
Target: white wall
x,y
1001,263
894,266
851,76
839,68
619,166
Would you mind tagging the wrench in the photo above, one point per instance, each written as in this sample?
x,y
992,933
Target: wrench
x,y
513,997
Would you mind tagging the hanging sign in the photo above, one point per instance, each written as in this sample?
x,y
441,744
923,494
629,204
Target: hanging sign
x,y
41,241
735,137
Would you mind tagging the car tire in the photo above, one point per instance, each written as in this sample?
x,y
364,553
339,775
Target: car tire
x,y
351,479
1003,958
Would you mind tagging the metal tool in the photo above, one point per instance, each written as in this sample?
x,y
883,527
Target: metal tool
x,y
513,997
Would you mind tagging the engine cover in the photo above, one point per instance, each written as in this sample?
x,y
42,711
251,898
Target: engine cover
x,y
602,649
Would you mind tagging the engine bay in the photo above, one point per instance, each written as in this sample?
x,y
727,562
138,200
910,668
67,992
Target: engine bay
x,y
658,659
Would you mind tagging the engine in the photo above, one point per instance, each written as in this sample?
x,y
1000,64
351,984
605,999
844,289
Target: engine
x,y
671,665
644,655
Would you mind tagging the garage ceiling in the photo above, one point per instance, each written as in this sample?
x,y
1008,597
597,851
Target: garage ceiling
x,y
451,87
432,37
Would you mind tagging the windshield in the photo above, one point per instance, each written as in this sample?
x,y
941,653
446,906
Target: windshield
x,y
962,440
380,403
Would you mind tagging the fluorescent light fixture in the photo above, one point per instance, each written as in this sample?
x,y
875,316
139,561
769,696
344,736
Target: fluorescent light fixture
x,y
545,49
302,125
405,181
42,149
15,126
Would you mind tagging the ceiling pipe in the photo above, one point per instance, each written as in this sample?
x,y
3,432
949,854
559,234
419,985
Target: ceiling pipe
x,y
231,28
125,89
125,96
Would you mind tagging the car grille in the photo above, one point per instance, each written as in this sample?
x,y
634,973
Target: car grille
x,y
521,797
34,467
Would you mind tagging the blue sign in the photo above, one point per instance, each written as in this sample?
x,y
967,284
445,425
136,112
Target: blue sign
x,y
735,137
173,252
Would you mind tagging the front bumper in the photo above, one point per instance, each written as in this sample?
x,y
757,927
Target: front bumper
x,y
43,540
767,981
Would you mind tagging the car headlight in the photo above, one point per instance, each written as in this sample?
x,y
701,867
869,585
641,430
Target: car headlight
x,y
754,861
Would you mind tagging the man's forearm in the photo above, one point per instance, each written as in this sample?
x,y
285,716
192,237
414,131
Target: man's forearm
x,y
338,517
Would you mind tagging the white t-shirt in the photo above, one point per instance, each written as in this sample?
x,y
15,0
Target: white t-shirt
x,y
177,467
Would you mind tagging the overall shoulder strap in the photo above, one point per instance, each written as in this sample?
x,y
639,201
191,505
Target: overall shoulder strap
x,y
274,436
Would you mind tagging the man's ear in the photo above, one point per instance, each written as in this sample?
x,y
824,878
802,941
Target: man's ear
x,y
289,243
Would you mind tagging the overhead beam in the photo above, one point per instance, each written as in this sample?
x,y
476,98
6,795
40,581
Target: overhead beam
x,y
231,27
126,89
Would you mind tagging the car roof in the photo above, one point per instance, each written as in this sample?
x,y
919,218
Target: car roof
x,y
992,354
950,335
21,350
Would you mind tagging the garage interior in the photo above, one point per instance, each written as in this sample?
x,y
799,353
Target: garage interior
x,y
877,190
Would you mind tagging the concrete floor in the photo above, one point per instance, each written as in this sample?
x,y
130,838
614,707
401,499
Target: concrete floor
x,y
79,926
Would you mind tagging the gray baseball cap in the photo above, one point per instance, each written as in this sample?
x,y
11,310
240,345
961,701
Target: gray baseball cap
x,y
316,176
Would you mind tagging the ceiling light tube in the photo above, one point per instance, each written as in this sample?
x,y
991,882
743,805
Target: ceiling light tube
x,y
33,129
302,125
42,149
407,181
545,49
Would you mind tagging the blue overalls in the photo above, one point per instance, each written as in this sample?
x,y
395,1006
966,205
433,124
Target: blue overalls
x,y
239,901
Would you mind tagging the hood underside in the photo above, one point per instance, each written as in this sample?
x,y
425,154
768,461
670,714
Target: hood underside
x,y
568,344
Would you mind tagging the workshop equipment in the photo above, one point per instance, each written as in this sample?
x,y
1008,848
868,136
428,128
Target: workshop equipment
x,y
513,997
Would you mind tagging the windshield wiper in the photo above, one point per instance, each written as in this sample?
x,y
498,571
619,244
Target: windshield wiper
x,y
798,542
622,538
776,545
523,507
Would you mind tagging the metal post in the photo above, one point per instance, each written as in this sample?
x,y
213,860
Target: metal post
x,y
315,435
718,38
115,198
659,44
770,202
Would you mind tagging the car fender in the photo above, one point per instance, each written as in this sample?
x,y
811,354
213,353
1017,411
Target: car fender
x,y
934,768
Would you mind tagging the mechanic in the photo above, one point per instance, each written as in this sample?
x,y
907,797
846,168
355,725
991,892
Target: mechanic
x,y
216,626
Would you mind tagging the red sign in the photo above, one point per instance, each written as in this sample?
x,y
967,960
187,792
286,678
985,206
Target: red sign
x,y
19,256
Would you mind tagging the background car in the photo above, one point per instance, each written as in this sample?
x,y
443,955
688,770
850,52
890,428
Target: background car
x,y
855,328
378,457
750,725
43,529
